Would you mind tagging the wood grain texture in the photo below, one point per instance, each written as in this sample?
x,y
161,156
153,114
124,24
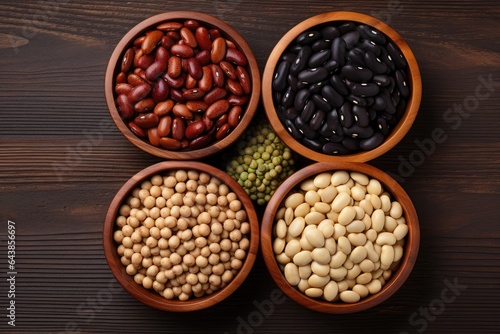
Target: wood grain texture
x,y
62,160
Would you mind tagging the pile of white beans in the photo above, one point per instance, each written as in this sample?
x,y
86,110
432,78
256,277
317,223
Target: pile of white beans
x,y
185,234
339,237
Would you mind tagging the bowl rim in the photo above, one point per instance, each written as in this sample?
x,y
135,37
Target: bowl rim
x,y
150,297
398,277
228,32
404,124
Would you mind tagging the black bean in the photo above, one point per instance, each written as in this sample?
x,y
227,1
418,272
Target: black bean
x,y
277,95
301,98
288,98
313,75
281,114
372,142
332,96
356,131
321,102
372,34
308,37
339,85
294,82
332,120
356,56
369,46
346,27
395,97
289,57
314,145
356,73
379,104
335,137
386,58
331,66
335,148
350,38
345,115
389,106
374,64
392,84
295,49
319,58
382,125
321,44
317,120
381,80
329,134
304,128
338,51
315,88
292,129
396,56
291,113
351,143
360,101
361,116
308,111
365,89
401,83
372,114
300,62
280,78
329,33
391,119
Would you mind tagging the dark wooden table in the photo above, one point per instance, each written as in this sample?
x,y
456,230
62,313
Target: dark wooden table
x,y
62,160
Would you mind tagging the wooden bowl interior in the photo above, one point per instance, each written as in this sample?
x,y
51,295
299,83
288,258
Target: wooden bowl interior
x,y
209,21
399,276
150,297
404,123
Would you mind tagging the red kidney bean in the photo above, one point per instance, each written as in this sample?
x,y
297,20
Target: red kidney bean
x,y
229,70
194,130
218,52
151,40
170,143
234,87
160,90
121,78
203,38
127,60
196,106
236,56
147,121
136,129
178,128
234,116
174,83
236,100
164,126
203,57
215,94
188,37
183,51
155,70
167,42
206,81
181,110
123,88
194,68
244,79
217,75
217,108
200,142
139,92
145,106
223,131
125,108
169,26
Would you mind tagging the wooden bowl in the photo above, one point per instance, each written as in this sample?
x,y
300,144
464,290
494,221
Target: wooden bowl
x,y
151,297
210,22
412,239
397,133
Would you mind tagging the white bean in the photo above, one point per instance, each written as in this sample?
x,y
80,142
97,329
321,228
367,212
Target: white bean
x,y
302,258
346,215
321,255
292,273
386,257
293,200
330,291
349,296
292,248
400,231
317,281
297,226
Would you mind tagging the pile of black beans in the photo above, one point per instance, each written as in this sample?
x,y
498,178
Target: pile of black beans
x,y
341,88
